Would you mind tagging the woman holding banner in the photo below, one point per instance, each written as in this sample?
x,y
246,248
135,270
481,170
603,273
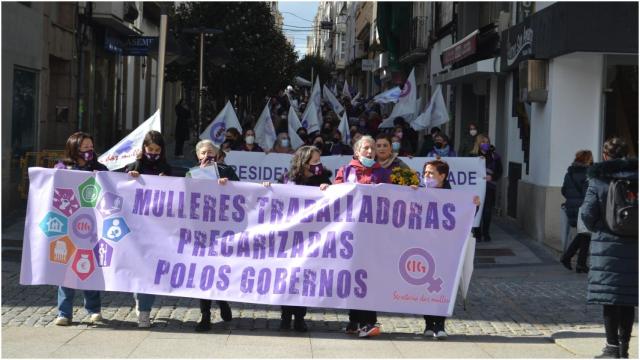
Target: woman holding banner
x,y
210,157
306,169
78,155
363,169
435,174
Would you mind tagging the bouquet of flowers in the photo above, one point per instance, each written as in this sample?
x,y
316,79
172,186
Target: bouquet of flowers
x,y
404,176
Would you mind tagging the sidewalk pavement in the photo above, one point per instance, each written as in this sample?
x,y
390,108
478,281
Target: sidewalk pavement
x,y
522,304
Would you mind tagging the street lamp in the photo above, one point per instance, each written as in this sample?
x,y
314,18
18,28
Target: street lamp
x,y
202,31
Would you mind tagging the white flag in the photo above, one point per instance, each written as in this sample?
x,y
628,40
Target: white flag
x,y
434,115
354,101
345,90
335,104
310,118
406,105
265,132
225,120
316,98
294,125
335,89
344,129
391,95
127,149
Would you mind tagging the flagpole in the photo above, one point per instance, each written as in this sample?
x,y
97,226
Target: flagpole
x,y
161,55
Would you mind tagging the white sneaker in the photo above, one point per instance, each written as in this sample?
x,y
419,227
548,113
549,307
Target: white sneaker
x,y
62,321
429,333
441,335
143,319
137,311
95,317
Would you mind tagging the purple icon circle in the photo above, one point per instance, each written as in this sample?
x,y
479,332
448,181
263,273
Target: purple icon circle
x,y
429,269
217,132
84,226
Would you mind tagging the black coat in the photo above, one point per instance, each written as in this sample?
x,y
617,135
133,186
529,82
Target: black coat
x,y
574,187
613,272
314,180
146,167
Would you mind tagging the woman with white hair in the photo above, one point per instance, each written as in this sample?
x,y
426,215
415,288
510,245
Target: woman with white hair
x,y
210,155
363,169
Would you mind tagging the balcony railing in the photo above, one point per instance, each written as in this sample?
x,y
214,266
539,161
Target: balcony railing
x,y
419,34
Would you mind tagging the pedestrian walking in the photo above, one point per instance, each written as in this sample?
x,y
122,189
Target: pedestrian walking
x,y
610,212
574,189
363,169
152,160
209,155
78,155
493,165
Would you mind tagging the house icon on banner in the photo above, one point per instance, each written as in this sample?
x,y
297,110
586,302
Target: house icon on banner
x,y
54,225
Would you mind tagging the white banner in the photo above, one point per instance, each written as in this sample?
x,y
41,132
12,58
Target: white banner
x,y
465,173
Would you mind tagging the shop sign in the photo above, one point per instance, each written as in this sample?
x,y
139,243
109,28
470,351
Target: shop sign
x,y
460,50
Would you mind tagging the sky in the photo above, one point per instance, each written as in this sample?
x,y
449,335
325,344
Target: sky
x,y
294,12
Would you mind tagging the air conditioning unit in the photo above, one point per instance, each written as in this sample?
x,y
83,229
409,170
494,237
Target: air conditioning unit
x,y
533,80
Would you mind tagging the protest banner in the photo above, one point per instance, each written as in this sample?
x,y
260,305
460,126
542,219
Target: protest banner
x,y
371,247
465,173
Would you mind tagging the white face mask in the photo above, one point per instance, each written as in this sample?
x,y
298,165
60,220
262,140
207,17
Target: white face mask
x,y
249,139
473,132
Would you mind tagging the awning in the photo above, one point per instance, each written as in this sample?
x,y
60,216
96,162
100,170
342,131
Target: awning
x,y
460,50
466,73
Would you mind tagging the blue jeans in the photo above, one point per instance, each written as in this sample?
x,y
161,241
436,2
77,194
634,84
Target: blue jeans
x,y
65,301
145,301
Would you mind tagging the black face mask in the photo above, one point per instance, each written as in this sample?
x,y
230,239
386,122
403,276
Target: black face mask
x,y
439,145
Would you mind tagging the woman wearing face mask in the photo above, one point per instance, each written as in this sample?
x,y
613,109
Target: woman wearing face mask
x,y
363,169
441,147
386,156
306,169
469,139
493,164
282,145
250,142
435,175
209,155
337,146
78,155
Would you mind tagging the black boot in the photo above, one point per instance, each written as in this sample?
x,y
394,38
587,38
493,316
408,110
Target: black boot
x,y
609,352
300,325
225,311
624,349
285,322
566,262
581,269
205,323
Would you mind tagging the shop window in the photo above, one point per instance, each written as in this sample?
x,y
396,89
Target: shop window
x,y
621,101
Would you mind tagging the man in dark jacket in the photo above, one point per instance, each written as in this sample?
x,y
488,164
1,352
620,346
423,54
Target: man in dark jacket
x,y
613,272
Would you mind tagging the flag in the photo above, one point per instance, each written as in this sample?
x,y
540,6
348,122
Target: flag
x,y
354,101
265,132
310,118
391,95
294,125
335,89
406,105
316,98
345,90
434,115
335,104
343,127
225,120
127,149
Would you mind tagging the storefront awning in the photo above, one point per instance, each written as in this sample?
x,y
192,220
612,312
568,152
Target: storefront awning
x,y
466,73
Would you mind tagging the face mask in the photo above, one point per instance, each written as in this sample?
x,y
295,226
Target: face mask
x,y
366,162
152,157
87,155
249,139
316,169
438,145
399,134
485,147
395,146
473,132
430,182
209,159
285,142
319,145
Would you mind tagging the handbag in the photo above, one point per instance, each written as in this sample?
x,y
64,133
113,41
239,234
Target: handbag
x,y
581,228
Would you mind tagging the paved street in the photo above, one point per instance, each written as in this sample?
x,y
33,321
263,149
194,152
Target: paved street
x,y
522,303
